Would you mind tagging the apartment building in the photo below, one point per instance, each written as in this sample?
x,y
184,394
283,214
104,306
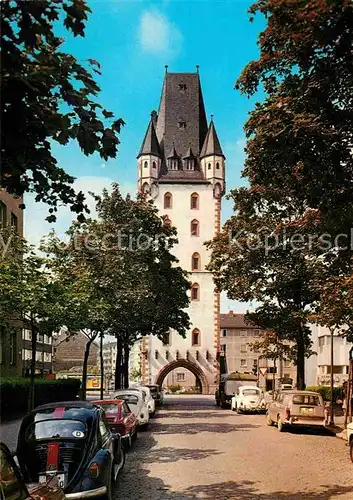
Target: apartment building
x,y
44,353
236,336
10,337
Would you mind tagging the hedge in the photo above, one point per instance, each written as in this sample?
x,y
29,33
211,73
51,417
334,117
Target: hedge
x,y
325,392
15,393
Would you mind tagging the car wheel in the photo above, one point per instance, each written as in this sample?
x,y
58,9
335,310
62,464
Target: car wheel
x,y
351,449
269,419
280,425
119,462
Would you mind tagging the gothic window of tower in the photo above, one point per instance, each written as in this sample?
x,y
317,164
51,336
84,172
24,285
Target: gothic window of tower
x,y
194,201
168,200
196,337
154,164
209,166
195,292
195,262
145,164
195,228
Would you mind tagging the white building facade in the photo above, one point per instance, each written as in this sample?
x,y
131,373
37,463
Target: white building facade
x,y
181,166
318,366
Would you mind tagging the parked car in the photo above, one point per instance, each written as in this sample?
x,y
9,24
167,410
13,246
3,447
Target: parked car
x,y
13,487
157,393
350,438
120,419
229,384
293,408
146,393
137,405
248,399
72,441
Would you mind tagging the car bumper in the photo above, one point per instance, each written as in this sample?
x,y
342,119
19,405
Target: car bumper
x,y
97,492
313,422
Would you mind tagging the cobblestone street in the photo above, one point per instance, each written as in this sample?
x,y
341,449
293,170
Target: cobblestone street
x,y
195,450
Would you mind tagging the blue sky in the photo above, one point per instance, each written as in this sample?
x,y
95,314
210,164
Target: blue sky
x,y
133,40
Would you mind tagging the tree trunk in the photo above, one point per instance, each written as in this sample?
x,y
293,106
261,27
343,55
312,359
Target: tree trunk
x,y
119,355
332,401
85,365
102,366
274,376
34,332
126,366
300,362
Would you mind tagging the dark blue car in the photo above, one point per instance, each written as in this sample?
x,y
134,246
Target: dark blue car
x,y
72,441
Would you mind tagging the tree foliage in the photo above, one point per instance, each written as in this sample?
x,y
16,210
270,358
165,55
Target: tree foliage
x,y
299,167
48,97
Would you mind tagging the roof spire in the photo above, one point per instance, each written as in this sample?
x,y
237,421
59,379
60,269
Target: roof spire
x,y
197,68
211,146
150,144
166,68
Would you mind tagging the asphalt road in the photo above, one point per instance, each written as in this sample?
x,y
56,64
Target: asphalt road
x,y
195,450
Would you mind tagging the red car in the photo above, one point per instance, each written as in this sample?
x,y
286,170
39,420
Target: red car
x,y
120,419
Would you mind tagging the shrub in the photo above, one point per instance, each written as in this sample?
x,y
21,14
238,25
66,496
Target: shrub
x,y
15,392
174,388
325,392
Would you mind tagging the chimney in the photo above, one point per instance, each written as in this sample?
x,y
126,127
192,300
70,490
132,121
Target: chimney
x,y
231,313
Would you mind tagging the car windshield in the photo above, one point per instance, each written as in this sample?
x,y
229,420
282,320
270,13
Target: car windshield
x,y
110,408
306,399
129,398
56,428
231,386
251,392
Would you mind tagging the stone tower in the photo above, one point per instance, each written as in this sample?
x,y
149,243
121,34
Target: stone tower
x,y
181,166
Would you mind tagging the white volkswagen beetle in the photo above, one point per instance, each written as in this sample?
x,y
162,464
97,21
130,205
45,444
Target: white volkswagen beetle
x,y
146,393
137,405
248,398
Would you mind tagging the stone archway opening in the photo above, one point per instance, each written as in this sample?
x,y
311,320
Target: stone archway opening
x,y
201,378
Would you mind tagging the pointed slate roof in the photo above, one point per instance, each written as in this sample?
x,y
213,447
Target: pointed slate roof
x,y
189,154
173,153
150,144
211,146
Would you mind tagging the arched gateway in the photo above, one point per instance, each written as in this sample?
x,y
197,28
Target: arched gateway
x,y
183,363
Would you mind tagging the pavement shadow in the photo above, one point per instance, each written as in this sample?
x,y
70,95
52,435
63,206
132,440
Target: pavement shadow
x,y
248,490
198,427
312,431
170,454
195,414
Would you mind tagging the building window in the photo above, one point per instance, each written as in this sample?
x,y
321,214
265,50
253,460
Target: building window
x,y
250,333
196,337
194,228
154,164
195,289
223,347
173,164
3,214
182,124
321,341
195,262
243,333
243,348
168,200
243,363
166,339
180,377
257,333
40,338
14,221
217,166
13,348
145,164
194,201
209,166
224,333
189,164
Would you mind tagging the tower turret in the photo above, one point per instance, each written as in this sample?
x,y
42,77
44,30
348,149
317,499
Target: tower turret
x,y
213,161
149,158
